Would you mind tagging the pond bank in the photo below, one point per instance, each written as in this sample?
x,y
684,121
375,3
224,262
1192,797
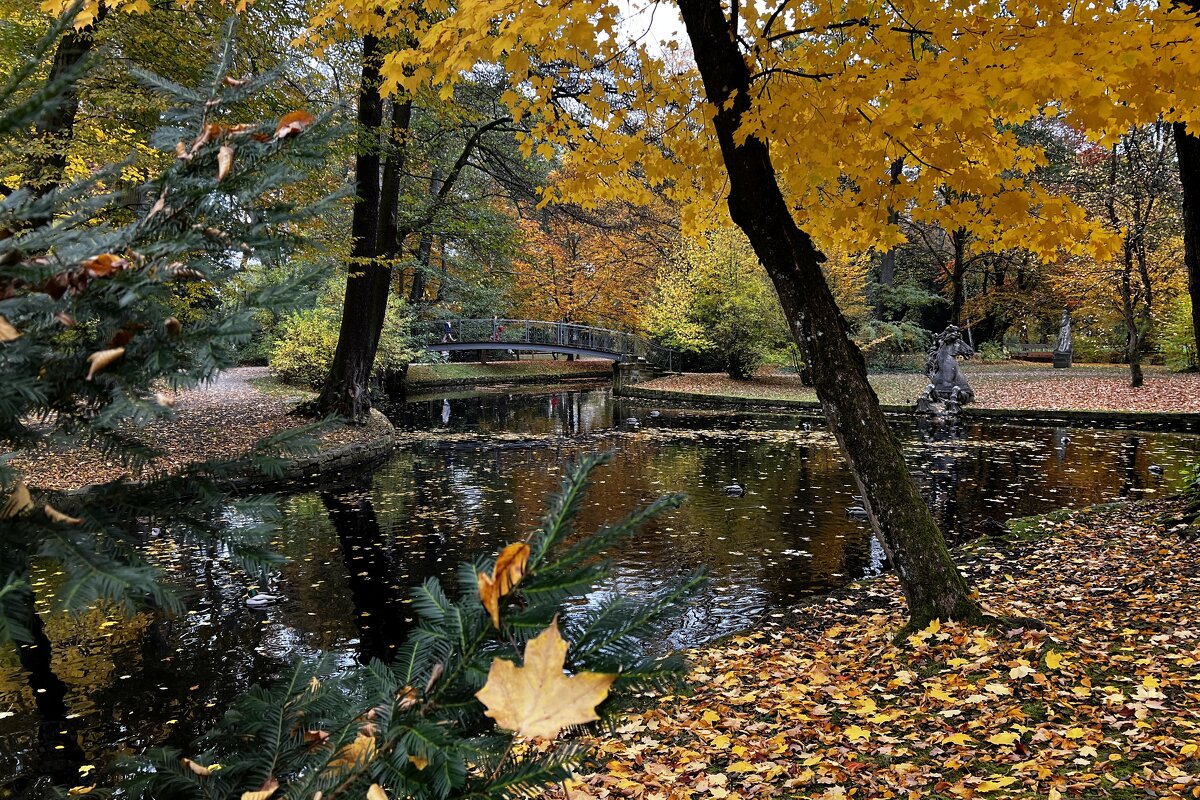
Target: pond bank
x,y
221,420
1097,704
1094,395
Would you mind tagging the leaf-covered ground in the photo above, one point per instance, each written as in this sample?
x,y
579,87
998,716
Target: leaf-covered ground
x,y
1104,702
219,420
1021,386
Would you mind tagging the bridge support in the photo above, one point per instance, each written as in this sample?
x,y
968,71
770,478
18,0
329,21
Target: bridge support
x,y
628,373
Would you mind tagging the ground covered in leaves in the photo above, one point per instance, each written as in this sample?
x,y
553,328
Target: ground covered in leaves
x,y
1103,702
1014,385
220,420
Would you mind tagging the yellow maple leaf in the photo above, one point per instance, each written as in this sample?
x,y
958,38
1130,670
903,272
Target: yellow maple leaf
x,y
538,699
509,569
1007,737
993,784
1054,660
853,733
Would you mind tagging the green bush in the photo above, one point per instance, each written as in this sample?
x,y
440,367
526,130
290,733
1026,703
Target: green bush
x,y
303,354
992,351
1177,337
892,345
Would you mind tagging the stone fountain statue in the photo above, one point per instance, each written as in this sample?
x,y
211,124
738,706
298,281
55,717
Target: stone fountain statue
x,y
1063,350
948,390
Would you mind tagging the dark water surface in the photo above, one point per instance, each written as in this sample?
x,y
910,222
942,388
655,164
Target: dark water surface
x,y
473,480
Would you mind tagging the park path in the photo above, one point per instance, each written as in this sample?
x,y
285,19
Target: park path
x,y
220,419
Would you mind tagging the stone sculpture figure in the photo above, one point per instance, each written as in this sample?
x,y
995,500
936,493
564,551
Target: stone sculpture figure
x,y
1063,349
948,389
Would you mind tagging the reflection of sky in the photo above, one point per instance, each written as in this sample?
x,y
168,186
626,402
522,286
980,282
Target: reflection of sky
x,y
787,537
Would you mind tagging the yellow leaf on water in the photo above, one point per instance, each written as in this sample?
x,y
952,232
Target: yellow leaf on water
x,y
538,699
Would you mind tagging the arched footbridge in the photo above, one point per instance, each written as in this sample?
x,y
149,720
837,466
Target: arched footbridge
x,y
539,336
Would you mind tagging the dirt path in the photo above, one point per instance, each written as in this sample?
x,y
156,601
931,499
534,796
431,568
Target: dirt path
x,y
222,419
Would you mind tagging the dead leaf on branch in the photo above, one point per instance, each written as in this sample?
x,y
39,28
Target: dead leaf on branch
x,y
538,699
360,751
54,515
18,502
509,569
101,359
198,769
224,161
7,332
293,123
266,790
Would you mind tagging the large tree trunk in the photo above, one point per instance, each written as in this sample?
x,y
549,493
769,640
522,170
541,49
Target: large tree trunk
x,y
932,584
347,388
55,129
1187,146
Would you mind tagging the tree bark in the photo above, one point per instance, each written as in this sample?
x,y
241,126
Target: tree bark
x,y
1187,148
933,586
958,270
55,129
346,391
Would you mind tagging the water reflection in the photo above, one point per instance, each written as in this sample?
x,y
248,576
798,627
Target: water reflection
x,y
354,551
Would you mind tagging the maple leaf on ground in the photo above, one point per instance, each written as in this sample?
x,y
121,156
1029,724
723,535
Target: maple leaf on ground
x,y
538,700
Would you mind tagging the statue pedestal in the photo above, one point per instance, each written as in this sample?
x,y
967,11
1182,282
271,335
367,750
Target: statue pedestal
x,y
1062,360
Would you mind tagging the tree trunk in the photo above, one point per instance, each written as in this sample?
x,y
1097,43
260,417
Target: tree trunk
x,y
958,292
55,129
347,388
425,245
1187,148
887,262
932,585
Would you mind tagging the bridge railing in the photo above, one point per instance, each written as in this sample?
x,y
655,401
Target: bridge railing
x,y
548,334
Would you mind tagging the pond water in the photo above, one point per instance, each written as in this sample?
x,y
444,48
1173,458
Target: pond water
x,y
474,479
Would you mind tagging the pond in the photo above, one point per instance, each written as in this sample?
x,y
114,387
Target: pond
x,y
472,479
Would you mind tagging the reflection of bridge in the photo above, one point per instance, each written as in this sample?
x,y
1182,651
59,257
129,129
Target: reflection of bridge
x,y
536,336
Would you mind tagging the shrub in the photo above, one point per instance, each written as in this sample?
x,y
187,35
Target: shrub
x,y
892,345
992,351
1177,337
303,354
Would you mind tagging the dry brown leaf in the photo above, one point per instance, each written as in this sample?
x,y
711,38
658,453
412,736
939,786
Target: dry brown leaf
x,y
537,699
54,515
104,265
101,359
224,161
18,502
165,400
263,792
360,751
293,123
7,331
199,769
233,83
66,319
509,569
376,792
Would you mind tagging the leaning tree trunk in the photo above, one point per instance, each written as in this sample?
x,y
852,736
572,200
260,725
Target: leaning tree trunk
x,y
932,584
1187,147
346,391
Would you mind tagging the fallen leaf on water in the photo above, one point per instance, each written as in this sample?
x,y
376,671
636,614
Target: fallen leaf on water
x,y
538,699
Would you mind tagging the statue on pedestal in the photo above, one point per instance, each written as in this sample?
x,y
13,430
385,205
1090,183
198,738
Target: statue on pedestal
x,y
948,390
1063,350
